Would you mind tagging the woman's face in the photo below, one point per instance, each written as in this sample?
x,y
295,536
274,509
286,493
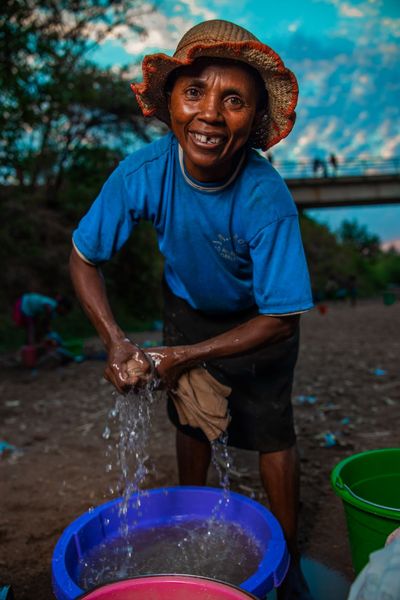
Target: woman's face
x,y
212,108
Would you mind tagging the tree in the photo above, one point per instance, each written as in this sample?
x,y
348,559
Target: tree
x,y
352,253
358,237
325,256
54,99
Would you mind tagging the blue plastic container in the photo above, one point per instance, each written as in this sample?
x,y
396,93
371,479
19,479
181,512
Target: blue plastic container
x,y
163,506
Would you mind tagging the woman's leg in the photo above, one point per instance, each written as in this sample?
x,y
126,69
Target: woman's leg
x,y
194,458
280,475
279,472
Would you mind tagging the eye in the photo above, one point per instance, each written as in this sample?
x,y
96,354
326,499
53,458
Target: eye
x,y
192,93
234,101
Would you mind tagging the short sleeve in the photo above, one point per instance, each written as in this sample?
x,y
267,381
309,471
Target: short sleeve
x,y
109,222
281,281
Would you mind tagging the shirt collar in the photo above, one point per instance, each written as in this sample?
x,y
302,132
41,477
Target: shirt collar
x,y
204,187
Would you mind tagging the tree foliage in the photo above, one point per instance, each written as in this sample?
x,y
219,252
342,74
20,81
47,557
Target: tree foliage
x,y
64,125
350,257
55,100
358,237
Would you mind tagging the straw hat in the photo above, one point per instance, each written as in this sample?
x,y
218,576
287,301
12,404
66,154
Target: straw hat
x,y
222,39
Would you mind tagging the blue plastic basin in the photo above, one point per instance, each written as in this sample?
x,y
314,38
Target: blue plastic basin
x,y
163,506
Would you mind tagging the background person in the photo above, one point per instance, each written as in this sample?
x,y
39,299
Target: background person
x,y
34,313
333,162
235,279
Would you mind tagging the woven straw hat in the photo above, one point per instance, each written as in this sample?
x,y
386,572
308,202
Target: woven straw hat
x,y
222,39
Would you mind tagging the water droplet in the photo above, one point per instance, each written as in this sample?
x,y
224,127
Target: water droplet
x,y
106,433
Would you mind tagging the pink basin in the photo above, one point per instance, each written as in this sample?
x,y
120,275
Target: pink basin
x,y
168,587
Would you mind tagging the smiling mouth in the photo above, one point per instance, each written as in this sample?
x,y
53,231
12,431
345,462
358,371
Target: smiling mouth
x,y
210,140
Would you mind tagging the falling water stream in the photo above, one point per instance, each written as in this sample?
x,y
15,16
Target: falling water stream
x,y
183,547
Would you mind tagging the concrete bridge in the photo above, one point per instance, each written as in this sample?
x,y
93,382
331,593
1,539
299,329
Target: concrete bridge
x,y
353,183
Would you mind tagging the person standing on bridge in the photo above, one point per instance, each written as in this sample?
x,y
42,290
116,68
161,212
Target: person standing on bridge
x,y
333,163
235,279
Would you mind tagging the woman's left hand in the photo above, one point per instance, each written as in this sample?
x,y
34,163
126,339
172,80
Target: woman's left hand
x,y
168,363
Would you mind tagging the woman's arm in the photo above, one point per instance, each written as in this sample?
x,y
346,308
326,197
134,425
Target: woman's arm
x,y
258,331
90,289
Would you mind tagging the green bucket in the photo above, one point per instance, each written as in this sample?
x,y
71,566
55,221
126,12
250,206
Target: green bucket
x,y
389,298
369,486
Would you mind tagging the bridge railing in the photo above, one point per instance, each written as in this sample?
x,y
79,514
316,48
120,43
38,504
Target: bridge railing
x,y
311,168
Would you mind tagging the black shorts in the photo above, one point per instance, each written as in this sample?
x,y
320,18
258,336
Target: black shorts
x,y
261,381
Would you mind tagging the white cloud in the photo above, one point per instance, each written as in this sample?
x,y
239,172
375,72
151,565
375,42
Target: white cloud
x,y
195,9
362,86
158,36
391,147
346,10
308,138
391,25
163,31
388,49
161,34
294,26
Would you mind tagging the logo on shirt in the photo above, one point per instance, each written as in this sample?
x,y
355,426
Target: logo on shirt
x,y
228,247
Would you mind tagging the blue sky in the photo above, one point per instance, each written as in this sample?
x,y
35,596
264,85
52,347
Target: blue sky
x,y
346,57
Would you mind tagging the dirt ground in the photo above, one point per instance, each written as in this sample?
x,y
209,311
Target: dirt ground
x,y
346,384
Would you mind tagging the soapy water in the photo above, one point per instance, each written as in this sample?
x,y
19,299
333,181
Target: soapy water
x,y
224,552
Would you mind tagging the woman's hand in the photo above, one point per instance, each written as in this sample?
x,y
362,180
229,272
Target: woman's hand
x,y
127,366
169,363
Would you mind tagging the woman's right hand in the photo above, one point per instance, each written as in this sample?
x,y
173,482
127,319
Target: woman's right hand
x,y
127,366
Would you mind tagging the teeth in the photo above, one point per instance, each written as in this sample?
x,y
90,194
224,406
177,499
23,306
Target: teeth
x,y
205,139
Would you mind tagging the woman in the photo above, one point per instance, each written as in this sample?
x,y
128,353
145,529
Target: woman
x,y
235,279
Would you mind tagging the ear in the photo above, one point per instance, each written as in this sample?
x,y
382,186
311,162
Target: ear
x,y
168,94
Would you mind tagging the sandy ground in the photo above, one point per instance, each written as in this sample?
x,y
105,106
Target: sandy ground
x,y
55,418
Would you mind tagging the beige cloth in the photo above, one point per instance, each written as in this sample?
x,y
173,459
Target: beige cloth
x,y
201,401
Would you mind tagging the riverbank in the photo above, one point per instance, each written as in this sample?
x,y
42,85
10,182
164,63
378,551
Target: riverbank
x,y
346,398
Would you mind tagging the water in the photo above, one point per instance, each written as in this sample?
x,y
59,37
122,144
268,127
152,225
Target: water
x,y
185,548
131,416
221,460
189,547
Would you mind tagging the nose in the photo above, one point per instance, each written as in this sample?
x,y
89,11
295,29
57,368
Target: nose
x,y
210,108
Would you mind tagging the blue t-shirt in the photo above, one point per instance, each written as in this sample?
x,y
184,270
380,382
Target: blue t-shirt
x,y
227,246
36,304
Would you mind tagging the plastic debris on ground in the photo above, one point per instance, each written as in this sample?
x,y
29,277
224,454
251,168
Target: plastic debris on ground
x,y
379,372
337,437
5,447
306,399
329,439
12,403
